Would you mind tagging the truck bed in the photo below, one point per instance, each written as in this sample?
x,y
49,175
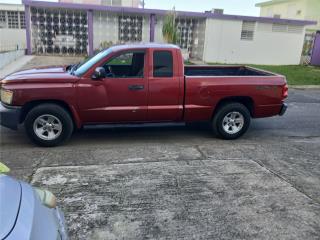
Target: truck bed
x,y
223,71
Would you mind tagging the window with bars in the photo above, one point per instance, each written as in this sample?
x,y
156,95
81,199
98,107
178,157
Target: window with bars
x,y
284,28
13,19
130,28
3,21
278,27
247,32
185,30
22,20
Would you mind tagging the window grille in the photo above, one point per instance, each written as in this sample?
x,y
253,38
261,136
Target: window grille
x,y
13,19
295,29
185,32
3,20
248,28
278,27
59,31
130,28
22,20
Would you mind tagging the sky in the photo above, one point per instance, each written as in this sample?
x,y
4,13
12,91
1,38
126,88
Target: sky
x,y
237,7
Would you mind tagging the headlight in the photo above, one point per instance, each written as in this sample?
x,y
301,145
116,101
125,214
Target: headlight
x,y
6,96
47,198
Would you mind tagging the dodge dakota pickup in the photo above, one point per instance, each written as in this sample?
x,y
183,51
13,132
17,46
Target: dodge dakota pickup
x,y
141,83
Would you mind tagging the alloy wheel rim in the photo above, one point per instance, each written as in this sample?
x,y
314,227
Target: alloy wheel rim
x,y
233,122
47,127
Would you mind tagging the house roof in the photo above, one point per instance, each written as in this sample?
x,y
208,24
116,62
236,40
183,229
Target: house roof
x,y
128,10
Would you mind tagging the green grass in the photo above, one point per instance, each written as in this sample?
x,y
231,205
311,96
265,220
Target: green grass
x,y
297,74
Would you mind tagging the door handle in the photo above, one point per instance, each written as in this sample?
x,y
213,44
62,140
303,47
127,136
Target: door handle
x,y
136,87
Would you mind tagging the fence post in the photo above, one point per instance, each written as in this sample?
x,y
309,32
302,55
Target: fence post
x,y
90,32
152,26
28,29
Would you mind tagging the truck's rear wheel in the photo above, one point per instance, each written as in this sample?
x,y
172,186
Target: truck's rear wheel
x,y
231,121
48,125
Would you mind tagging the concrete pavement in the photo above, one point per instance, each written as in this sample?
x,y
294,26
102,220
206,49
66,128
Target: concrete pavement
x,y
182,182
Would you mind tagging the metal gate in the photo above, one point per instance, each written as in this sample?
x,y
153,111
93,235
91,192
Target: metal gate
x,y
315,57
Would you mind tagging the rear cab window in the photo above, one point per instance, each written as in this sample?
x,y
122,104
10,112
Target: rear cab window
x,y
162,63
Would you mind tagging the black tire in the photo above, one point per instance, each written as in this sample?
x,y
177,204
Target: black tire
x,y
54,110
222,112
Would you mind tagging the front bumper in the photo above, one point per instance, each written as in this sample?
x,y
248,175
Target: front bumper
x,y
9,116
283,109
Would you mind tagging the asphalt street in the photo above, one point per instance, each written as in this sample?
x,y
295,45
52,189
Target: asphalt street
x,y
182,182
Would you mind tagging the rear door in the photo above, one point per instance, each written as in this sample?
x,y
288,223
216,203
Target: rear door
x,y
165,100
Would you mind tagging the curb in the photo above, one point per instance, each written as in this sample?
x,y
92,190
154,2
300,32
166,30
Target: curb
x,y
302,87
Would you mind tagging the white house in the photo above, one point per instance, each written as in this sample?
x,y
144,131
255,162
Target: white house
x,y
12,27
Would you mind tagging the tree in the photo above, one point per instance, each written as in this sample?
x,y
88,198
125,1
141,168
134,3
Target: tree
x,y
169,29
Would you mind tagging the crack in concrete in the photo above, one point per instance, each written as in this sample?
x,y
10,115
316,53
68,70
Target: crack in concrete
x,y
203,155
34,168
287,181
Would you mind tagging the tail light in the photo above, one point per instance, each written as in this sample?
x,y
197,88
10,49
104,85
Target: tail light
x,y
285,91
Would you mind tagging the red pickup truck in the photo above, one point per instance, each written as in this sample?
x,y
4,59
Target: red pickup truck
x,y
143,83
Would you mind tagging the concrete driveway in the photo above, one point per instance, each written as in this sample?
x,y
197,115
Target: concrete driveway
x,y
182,182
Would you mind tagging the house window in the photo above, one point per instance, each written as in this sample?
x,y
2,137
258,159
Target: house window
x,y
22,20
3,22
130,28
13,19
248,28
295,29
185,30
278,27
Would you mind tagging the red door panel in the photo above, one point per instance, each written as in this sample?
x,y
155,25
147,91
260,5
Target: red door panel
x,y
165,100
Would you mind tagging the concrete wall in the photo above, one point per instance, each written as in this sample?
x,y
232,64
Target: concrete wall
x,y
313,13
8,57
223,44
10,38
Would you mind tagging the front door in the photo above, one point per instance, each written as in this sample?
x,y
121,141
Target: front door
x,y
122,95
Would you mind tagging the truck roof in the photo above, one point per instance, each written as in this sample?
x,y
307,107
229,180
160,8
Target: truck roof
x,y
143,45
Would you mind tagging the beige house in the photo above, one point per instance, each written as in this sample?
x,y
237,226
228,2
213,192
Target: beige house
x,y
292,9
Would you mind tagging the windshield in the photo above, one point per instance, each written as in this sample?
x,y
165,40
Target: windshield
x,y
88,63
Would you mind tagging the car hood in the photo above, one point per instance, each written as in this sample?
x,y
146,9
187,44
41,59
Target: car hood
x,y
10,197
43,74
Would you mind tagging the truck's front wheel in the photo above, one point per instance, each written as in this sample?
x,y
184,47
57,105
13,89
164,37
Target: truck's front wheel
x,y
48,125
231,121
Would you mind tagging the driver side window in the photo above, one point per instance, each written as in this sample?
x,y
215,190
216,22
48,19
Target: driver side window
x,y
126,65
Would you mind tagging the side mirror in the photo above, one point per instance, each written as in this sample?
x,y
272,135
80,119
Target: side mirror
x,y
99,73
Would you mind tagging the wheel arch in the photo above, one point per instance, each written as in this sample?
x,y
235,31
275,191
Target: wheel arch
x,y
69,108
245,100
